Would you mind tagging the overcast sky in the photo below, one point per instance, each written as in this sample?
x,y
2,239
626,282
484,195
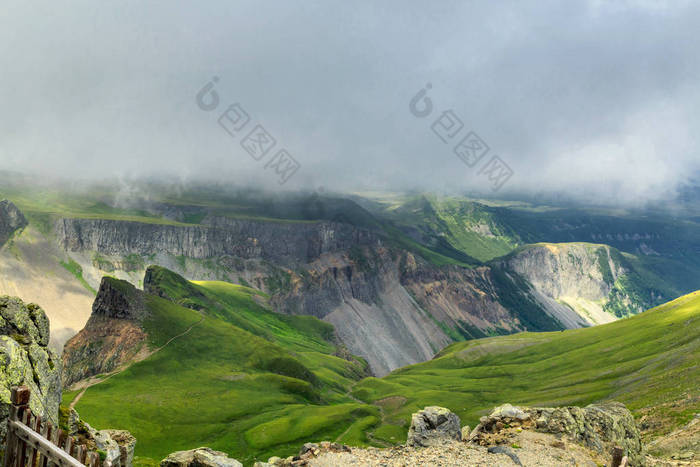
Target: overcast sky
x,y
595,99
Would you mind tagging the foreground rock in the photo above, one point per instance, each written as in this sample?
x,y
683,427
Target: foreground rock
x,y
200,457
533,449
118,445
599,427
433,424
25,359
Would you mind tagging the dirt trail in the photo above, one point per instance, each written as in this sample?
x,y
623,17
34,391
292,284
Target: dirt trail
x,y
139,357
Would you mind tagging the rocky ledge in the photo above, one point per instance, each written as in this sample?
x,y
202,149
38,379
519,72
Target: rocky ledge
x,y
509,436
25,359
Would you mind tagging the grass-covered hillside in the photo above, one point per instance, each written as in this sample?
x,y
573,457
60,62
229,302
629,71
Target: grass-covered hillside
x,y
243,379
648,361
254,383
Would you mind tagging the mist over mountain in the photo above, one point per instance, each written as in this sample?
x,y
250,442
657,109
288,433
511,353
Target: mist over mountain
x,y
573,98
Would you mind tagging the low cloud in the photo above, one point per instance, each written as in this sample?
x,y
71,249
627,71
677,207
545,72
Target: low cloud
x,y
598,100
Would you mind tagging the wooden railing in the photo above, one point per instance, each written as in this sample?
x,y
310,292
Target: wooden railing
x,y
34,442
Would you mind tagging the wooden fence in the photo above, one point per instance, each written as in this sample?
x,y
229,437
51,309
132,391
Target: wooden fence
x,y
34,442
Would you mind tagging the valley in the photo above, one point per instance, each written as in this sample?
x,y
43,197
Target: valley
x,y
252,323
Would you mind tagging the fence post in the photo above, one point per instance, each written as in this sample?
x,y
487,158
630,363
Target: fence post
x,y
617,454
20,401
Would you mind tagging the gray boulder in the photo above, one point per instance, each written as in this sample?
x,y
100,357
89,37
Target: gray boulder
x,y
200,457
25,359
432,424
126,443
599,427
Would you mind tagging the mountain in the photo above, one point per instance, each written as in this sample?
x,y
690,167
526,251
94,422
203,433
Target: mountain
x,y
400,277
647,361
212,364
219,368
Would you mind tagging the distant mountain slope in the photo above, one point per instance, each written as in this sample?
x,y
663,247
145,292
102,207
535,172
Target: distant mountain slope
x,y
648,361
398,278
227,373
220,370
584,284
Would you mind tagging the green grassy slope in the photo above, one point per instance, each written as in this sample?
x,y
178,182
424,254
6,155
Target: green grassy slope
x,y
649,362
243,380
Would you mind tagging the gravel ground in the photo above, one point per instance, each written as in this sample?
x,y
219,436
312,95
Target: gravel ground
x,y
529,448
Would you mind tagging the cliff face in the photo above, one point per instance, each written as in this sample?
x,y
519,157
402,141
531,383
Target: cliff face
x,y
112,336
580,277
285,243
11,219
395,309
25,359
387,305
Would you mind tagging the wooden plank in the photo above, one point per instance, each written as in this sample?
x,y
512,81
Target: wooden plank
x,y
80,454
20,395
57,455
33,451
617,454
68,447
19,399
47,432
22,455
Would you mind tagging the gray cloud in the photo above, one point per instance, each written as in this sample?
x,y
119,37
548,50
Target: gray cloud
x,y
600,100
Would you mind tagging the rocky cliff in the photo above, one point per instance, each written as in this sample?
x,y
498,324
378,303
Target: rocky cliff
x,y
284,243
11,220
112,336
25,359
580,284
388,305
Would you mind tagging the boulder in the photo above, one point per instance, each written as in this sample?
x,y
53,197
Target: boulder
x,y
466,431
432,424
117,445
200,457
25,359
126,443
599,427
106,444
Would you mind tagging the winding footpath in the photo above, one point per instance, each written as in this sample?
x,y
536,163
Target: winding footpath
x,y
97,380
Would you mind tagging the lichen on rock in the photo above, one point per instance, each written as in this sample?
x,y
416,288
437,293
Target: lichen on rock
x,y
25,359
433,424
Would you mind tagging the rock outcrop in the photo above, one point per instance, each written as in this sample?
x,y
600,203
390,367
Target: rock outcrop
x,y
112,336
200,457
433,424
580,284
599,427
283,243
117,445
388,305
25,359
11,220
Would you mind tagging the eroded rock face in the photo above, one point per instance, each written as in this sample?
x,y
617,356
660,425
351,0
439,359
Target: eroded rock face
x,y
11,220
279,242
433,424
599,427
25,359
111,337
200,457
